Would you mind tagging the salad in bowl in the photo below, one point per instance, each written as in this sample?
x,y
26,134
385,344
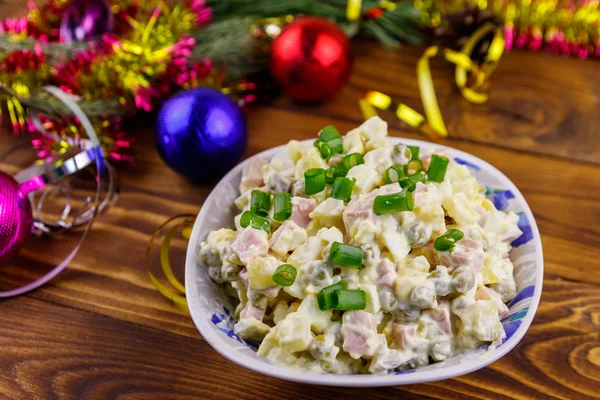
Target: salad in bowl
x,y
363,254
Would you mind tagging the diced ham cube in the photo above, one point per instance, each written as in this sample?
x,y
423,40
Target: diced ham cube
x,y
252,176
361,208
467,252
249,244
301,208
252,311
359,330
287,238
441,316
420,188
386,273
403,333
485,293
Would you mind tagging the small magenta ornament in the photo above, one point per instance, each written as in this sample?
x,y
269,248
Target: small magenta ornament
x,y
15,217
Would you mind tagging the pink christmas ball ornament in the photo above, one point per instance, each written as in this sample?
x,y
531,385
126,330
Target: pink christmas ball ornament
x,y
15,217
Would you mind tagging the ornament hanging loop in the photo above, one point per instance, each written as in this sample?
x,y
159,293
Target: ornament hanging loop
x,y
269,28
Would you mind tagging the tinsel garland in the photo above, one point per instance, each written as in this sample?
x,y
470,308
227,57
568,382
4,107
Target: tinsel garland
x,y
155,49
152,51
568,27
116,75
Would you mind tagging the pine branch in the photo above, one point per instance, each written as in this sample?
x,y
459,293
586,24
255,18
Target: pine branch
x,y
229,44
400,24
54,51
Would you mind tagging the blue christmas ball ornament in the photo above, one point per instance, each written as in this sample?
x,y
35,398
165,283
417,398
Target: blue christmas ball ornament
x,y
201,133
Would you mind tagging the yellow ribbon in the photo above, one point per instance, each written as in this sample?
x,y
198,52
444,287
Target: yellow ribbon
x,y
184,228
353,10
434,124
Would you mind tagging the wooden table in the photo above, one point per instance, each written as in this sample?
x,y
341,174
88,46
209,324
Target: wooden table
x,y
101,331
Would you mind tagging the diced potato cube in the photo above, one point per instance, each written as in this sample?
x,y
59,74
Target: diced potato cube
x,y
288,237
365,232
294,332
366,178
310,250
374,128
331,235
353,142
221,235
311,159
373,303
482,320
251,329
329,213
319,320
459,209
380,159
396,243
260,273
270,341
488,274
406,282
280,311
418,263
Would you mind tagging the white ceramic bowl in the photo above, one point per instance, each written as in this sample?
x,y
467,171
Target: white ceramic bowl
x,y
212,310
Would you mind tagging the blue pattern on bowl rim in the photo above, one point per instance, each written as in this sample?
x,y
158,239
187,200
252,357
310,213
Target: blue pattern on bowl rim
x,y
526,257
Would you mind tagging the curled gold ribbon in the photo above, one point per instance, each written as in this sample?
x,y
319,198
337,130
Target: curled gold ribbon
x,y
434,124
184,228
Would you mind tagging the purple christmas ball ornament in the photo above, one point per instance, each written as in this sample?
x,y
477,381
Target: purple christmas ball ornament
x,y
201,133
86,20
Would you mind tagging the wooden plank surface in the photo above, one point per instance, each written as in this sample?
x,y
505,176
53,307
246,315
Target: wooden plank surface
x,y
101,331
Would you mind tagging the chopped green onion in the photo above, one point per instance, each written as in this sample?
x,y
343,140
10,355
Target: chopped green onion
x,y
455,234
344,299
346,255
245,219
282,208
324,150
415,151
317,143
447,241
314,181
329,133
437,168
413,167
410,183
392,203
254,221
335,172
260,223
260,203
393,174
285,275
325,296
336,146
352,160
342,188
444,243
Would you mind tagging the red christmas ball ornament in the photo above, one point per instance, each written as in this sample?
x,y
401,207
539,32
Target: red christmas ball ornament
x,y
311,59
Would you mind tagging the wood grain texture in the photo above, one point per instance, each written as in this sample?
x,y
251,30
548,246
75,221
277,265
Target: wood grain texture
x,y
100,330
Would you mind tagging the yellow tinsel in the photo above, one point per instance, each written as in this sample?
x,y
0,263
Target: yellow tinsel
x,y
138,59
